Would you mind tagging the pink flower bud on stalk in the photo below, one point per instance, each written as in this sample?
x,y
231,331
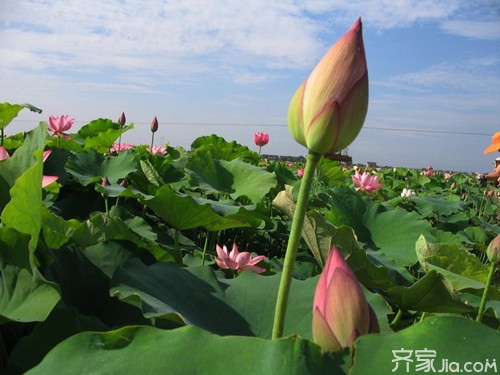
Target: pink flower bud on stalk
x,y
122,119
300,172
154,125
329,108
261,139
341,312
121,122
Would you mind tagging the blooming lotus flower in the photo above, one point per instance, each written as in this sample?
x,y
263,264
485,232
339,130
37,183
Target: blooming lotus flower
x,y
234,260
365,182
407,192
261,139
120,147
58,125
3,153
329,108
428,172
157,150
341,312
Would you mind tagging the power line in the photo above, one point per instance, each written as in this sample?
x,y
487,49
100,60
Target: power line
x,y
262,125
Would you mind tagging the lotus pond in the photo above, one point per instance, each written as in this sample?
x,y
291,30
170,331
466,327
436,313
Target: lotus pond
x,y
112,268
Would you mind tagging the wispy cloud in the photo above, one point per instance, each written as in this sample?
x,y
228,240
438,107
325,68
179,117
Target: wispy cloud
x,y
474,29
471,76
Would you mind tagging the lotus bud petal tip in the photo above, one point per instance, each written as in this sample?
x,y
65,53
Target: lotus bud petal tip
x,y
329,108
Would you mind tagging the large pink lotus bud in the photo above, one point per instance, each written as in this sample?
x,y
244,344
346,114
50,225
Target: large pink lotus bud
x,y
340,310
329,108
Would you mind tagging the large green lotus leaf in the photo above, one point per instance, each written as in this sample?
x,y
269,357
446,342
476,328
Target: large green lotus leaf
x,y
102,227
100,134
23,212
90,167
391,231
395,232
242,305
186,351
25,296
220,149
8,112
460,267
59,325
449,340
436,207
56,231
235,178
165,290
432,293
185,212
330,172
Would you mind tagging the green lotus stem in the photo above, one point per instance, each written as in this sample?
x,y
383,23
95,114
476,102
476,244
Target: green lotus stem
x,y
397,318
152,141
482,305
106,205
293,244
205,248
1,137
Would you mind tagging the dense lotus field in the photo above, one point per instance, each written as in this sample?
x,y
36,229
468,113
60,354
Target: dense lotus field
x,y
108,259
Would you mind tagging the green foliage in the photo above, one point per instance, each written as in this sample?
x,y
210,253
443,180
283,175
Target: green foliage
x,y
97,273
8,112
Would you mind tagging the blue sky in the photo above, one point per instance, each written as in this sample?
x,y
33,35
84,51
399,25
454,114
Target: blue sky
x,y
231,68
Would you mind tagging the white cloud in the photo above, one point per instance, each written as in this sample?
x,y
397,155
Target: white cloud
x,y
473,29
479,75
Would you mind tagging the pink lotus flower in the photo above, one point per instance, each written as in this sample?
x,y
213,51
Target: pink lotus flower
x,y
341,312
329,108
428,172
261,139
58,125
300,172
120,147
235,260
157,150
3,153
365,182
